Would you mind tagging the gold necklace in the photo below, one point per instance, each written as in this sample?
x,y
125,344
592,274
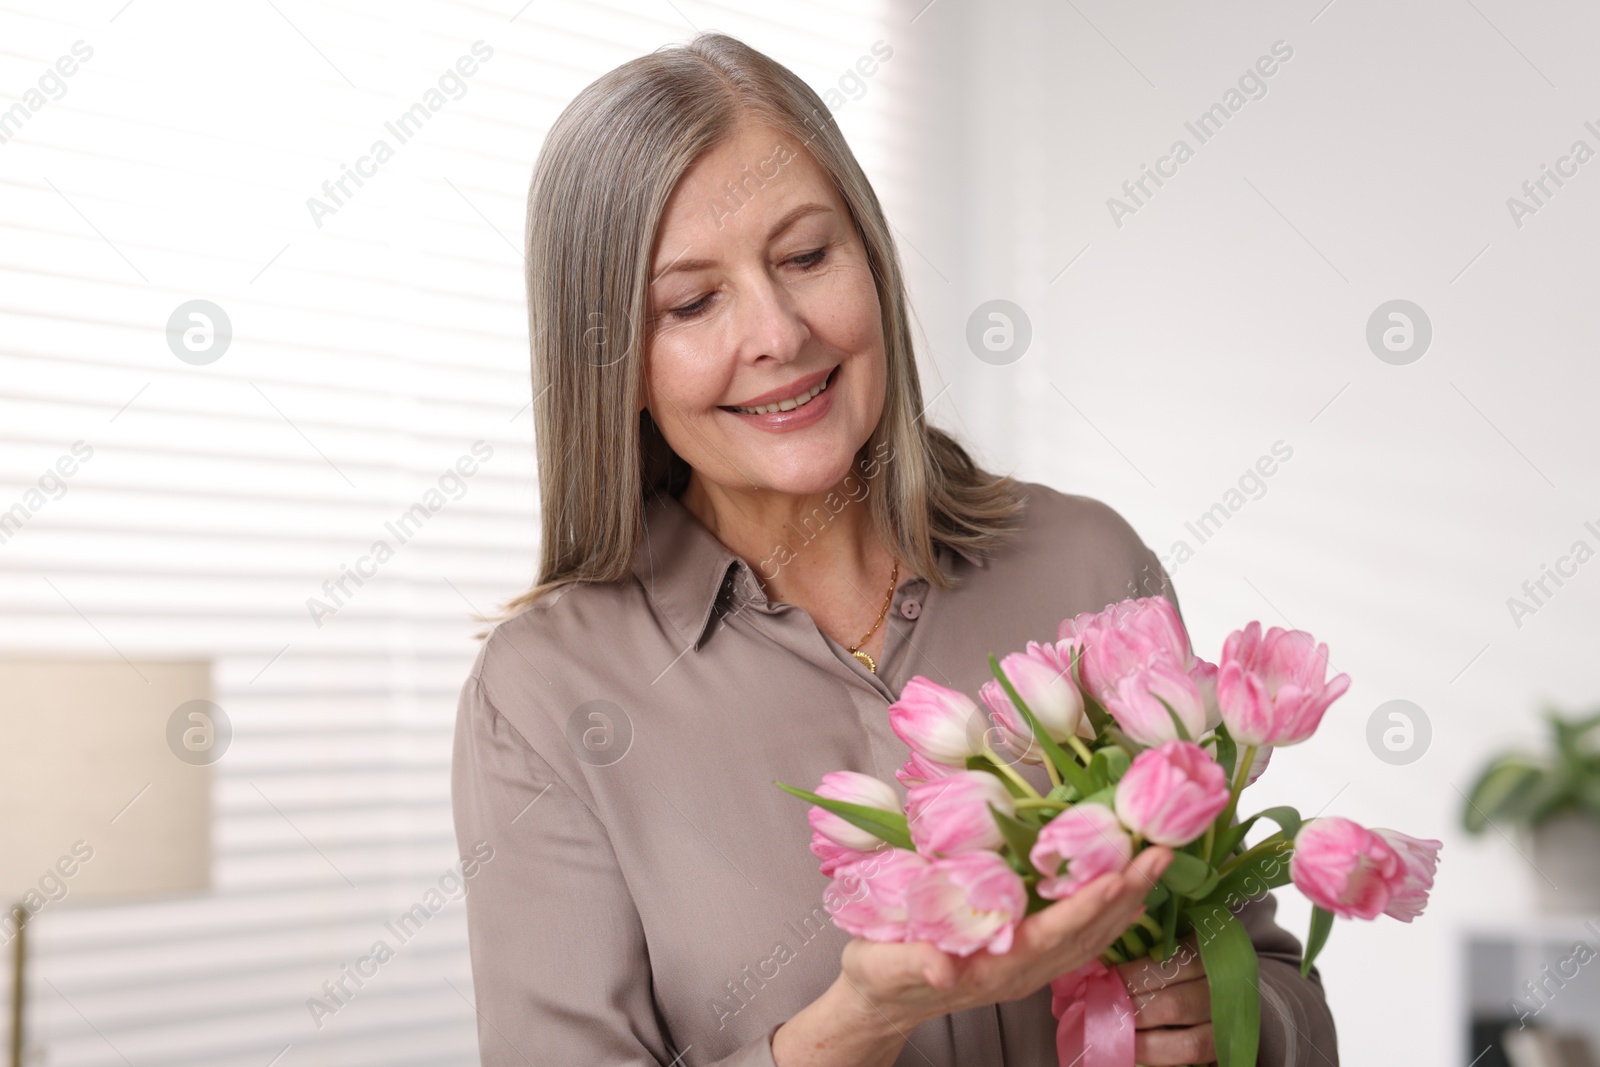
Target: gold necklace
x,y
856,649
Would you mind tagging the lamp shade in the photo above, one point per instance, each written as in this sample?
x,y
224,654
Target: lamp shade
x,y
105,779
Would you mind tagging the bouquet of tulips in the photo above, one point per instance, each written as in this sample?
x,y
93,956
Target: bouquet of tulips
x,y
1144,743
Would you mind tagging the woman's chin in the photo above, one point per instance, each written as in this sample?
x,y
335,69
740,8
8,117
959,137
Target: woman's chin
x,y
805,475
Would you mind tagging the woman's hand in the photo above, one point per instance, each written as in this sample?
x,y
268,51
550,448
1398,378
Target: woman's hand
x,y
1171,1008
907,983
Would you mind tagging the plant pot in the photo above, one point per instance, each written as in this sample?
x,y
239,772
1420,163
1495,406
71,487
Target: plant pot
x,y
1566,855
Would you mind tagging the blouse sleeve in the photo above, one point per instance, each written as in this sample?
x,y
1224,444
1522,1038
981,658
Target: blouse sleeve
x,y
1296,1025
560,969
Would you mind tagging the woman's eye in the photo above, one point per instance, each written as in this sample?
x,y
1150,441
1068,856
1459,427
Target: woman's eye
x,y
689,311
806,260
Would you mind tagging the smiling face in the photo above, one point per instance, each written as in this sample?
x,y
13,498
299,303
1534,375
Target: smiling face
x,y
761,293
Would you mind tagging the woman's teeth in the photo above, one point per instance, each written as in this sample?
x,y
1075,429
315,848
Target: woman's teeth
x,y
786,405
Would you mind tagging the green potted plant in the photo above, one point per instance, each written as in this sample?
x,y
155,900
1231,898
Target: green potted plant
x,y
1554,797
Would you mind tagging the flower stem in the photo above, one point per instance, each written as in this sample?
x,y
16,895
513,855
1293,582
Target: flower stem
x,y
1028,791
1154,927
1082,750
1050,769
1042,802
1133,944
1243,774
1225,820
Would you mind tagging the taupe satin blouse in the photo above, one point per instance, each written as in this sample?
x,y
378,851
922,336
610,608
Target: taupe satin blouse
x,y
651,897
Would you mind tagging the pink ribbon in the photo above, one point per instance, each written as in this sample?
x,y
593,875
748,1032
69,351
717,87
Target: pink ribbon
x,y
1095,1014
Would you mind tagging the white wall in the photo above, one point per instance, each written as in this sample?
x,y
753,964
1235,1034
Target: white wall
x,y
1229,313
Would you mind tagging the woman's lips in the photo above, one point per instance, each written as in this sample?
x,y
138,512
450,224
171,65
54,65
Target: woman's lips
x,y
796,418
798,388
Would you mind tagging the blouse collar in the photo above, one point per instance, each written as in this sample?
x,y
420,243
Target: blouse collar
x,y
683,567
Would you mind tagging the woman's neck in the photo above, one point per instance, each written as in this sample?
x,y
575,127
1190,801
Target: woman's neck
x,y
819,551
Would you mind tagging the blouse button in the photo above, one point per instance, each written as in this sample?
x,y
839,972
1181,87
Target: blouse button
x,y
910,608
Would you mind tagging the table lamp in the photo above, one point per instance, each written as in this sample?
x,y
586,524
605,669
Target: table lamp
x,y
105,789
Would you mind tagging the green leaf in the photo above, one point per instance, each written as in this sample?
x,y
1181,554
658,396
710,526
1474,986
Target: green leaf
x,y
1169,929
1018,834
1589,795
1106,796
1231,838
1228,840
1177,723
1186,874
1157,896
1109,764
889,825
1569,735
1321,926
1233,973
1071,770
1133,944
1262,868
1508,789
1287,818
1227,751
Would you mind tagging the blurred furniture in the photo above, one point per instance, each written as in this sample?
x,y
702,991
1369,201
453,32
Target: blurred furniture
x,y
1535,974
96,801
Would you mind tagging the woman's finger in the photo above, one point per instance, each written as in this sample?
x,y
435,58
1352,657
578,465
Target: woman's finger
x,y
1174,1048
1148,866
1182,1004
1079,913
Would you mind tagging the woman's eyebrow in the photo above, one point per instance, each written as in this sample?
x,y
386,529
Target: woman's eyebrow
x,y
790,217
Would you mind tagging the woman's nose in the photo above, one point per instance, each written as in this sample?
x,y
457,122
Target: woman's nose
x,y
770,320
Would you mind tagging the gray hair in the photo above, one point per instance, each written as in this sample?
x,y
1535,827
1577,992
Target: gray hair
x,y
600,186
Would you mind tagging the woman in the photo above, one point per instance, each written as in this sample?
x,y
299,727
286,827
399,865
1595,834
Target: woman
x,y
751,540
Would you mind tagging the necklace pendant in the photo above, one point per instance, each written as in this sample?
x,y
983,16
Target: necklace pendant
x,y
864,658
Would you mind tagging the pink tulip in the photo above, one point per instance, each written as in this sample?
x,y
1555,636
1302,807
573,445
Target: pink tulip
x,y
868,898
1347,869
1420,858
1136,702
852,787
1131,638
966,902
941,724
1121,638
1044,682
1171,793
1205,681
919,769
831,855
1271,689
1086,838
950,815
